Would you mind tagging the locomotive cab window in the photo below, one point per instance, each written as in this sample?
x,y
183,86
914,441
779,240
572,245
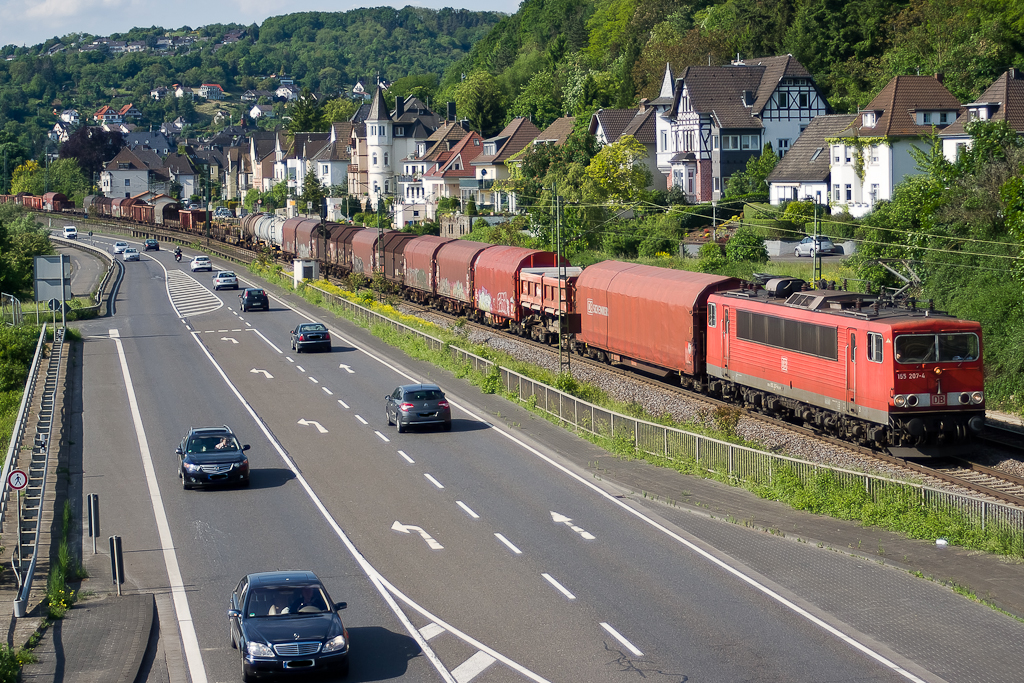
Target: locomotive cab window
x,y
874,347
936,348
712,315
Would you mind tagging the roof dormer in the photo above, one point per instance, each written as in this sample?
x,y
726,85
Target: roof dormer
x,y
869,118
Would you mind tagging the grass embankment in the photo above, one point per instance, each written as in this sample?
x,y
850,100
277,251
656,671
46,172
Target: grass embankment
x,y
895,507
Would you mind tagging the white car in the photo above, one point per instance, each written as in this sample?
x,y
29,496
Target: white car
x,y
807,247
119,247
201,262
225,278
70,232
130,254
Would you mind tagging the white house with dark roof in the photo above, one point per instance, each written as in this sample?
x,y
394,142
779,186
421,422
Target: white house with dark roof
x,y
491,166
876,152
1001,101
722,115
805,172
612,125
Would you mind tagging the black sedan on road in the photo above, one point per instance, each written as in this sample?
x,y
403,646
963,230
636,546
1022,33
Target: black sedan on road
x,y
253,297
418,404
310,335
150,244
285,624
210,456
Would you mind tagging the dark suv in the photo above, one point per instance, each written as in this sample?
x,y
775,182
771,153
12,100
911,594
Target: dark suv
x,y
211,456
253,298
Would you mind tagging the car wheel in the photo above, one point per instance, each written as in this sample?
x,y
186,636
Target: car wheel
x,y
811,253
387,414
796,252
398,424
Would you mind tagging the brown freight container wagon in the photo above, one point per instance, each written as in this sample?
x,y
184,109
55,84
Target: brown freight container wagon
x,y
395,242
364,251
103,206
301,237
121,207
54,201
339,247
496,278
142,213
420,269
455,270
647,316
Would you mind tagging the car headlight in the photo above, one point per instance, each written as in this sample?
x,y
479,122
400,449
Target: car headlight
x,y
335,644
259,650
191,467
978,397
244,465
900,401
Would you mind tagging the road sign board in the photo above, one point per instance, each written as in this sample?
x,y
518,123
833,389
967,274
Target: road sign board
x,y
17,480
54,304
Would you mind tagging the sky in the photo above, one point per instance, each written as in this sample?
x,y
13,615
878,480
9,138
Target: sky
x,y
30,22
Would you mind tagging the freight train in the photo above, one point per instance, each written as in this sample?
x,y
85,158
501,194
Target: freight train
x,y
863,367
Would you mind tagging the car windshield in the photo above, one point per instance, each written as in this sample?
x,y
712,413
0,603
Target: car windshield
x,y
274,601
121,244
211,444
424,395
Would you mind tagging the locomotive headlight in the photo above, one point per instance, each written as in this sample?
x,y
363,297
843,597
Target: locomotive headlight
x,y
900,401
978,397
965,398
912,400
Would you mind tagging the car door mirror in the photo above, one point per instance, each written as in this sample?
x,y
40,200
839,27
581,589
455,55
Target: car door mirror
x,y
178,450
234,614
338,606
245,447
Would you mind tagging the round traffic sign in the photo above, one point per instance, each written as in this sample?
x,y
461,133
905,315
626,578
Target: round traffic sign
x,y
54,304
17,479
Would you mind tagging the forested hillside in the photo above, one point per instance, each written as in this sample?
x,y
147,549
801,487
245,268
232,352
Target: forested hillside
x,y
570,56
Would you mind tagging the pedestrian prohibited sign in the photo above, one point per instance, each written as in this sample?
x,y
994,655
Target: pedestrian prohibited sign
x,y
17,479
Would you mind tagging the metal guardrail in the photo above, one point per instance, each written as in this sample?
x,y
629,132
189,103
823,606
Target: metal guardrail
x,y
113,265
30,518
739,463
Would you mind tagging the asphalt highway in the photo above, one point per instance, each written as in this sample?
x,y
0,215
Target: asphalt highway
x,y
471,555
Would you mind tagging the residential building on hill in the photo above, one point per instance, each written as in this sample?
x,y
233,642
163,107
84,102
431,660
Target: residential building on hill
x,y
491,165
805,172
1001,101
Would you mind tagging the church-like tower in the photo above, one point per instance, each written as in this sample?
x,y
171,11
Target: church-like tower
x,y
379,149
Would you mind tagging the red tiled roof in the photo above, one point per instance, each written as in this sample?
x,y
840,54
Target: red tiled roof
x,y
900,99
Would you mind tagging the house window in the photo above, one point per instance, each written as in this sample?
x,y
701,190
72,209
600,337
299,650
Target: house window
x,y
127,182
874,154
385,158
849,192
664,141
835,155
783,100
490,149
415,214
751,142
731,141
875,347
400,132
714,142
323,169
374,158
804,100
716,184
874,192
783,146
926,117
961,147
123,167
846,151
943,117
835,192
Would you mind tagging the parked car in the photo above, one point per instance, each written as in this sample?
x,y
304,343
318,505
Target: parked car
x,y
119,247
807,246
417,404
150,244
70,232
201,262
253,298
225,278
211,456
130,254
285,623
306,335
223,212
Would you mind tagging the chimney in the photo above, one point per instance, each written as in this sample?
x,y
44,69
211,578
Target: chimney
x,y
938,77
451,112
399,107
643,104
1012,74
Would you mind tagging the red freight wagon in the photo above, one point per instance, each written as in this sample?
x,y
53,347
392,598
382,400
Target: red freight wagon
x,y
888,375
394,253
142,213
301,237
31,201
54,201
544,293
121,207
455,262
496,280
420,273
645,316
364,251
340,247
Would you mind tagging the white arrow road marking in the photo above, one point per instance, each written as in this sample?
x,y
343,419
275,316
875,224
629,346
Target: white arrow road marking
x,y
255,371
473,666
347,369
230,339
316,424
618,636
406,528
562,519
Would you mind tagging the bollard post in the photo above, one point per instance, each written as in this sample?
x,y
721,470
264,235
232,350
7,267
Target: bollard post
x,y
116,562
94,518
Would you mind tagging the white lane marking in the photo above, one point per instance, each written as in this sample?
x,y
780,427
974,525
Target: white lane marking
x,y
386,589
269,343
230,339
250,325
314,380
411,461
343,404
431,630
190,641
508,543
472,667
300,368
465,507
319,427
384,438
407,528
209,331
433,481
256,371
562,519
625,643
222,330
289,359
327,391
562,589
347,369
360,418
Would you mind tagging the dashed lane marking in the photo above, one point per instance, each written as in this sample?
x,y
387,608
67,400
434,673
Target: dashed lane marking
x,y
472,667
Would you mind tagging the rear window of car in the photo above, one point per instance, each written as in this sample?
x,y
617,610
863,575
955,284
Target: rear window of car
x,y
313,328
424,395
226,273
255,292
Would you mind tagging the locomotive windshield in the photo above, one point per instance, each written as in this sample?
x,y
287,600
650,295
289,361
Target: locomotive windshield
x,y
936,348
